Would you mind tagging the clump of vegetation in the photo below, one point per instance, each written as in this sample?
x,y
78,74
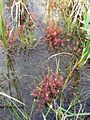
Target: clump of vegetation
x,y
53,37
24,24
52,12
72,11
27,36
22,32
49,88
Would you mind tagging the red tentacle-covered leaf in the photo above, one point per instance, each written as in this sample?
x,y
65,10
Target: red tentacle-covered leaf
x,y
35,93
58,42
45,79
61,78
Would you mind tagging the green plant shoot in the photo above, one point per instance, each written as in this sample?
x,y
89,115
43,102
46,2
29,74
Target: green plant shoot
x,y
2,26
86,50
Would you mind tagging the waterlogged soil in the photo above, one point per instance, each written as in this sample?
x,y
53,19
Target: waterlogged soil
x,y
17,77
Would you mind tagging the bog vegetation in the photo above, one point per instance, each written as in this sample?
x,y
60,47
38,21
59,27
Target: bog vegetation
x,y
66,33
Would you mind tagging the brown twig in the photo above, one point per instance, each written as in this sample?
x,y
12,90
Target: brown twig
x,y
70,75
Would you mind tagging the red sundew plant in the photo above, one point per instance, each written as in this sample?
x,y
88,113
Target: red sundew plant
x,y
52,36
12,35
49,89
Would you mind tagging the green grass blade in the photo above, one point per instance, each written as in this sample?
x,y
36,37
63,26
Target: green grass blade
x,y
85,55
2,26
5,95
